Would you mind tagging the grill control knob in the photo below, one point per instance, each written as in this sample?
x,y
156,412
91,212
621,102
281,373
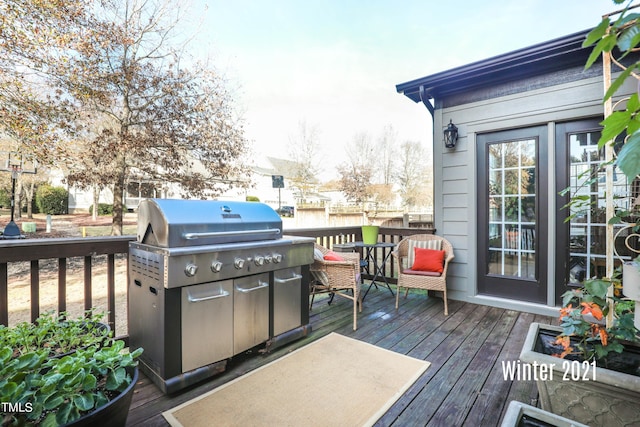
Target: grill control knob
x,y
239,263
277,258
268,259
259,260
216,266
191,270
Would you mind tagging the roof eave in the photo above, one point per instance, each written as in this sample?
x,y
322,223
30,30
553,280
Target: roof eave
x,y
553,55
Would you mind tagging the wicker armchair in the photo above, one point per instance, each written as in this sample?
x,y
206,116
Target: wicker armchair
x,y
338,278
411,279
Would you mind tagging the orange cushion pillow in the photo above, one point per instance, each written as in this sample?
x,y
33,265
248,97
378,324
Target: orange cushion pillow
x,y
428,260
332,256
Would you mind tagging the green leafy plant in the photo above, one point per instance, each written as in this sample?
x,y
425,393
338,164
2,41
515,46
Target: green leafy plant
x,y
624,34
56,333
52,200
584,331
57,390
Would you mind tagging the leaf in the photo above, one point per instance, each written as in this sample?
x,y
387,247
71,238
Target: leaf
x,y
76,379
101,399
616,346
633,126
629,38
50,421
28,361
606,44
7,391
614,125
567,297
624,19
597,288
5,354
36,411
116,378
593,309
89,382
629,157
615,220
633,104
597,33
53,401
84,402
51,383
615,85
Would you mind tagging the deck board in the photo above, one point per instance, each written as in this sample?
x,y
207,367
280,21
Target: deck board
x,y
463,386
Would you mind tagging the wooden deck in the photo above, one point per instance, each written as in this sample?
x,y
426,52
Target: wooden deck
x,y
464,386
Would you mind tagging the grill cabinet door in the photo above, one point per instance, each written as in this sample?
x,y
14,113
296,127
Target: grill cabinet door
x,y
251,311
287,300
207,323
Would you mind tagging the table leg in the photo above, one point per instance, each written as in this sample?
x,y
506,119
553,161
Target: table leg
x,y
378,274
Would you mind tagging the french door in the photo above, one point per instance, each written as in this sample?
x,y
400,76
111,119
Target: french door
x,y
512,214
581,237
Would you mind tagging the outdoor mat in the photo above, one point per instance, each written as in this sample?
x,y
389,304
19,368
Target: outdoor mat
x,y
334,381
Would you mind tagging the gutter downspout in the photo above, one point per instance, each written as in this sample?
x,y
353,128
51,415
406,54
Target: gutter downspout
x,y
431,109
426,102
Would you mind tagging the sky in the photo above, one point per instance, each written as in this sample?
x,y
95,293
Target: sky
x,y
334,64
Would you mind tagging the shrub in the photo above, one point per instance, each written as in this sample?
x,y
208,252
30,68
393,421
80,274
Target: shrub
x,y
104,209
252,199
5,198
52,200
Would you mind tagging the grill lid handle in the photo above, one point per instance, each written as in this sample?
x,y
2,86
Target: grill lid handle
x,y
194,236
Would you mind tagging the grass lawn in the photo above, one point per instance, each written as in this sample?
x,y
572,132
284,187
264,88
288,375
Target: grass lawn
x,y
105,230
71,225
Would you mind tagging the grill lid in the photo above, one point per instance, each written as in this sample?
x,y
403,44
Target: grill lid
x,y
172,223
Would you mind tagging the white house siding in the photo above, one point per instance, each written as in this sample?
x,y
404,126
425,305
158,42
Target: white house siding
x,y
455,172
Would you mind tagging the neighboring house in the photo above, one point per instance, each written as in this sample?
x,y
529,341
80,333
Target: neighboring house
x,y
528,124
262,179
139,188
136,189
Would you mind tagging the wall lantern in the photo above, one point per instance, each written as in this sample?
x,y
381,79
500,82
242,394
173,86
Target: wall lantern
x,y
450,135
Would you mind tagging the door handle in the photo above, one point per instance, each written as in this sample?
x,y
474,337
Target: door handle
x,y
207,298
261,285
290,279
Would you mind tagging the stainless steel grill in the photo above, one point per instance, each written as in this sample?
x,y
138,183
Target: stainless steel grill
x,y
209,280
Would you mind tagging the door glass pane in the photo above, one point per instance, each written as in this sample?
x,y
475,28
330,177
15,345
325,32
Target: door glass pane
x,y
587,238
512,209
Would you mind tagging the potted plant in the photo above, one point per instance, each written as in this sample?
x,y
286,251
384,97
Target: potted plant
x,y
57,333
576,365
90,385
587,369
370,234
370,231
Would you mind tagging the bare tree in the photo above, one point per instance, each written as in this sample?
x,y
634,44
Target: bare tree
x,y
413,177
356,173
304,150
34,37
386,154
122,66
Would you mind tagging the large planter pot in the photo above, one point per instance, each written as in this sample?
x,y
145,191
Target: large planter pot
x,y
579,390
114,413
522,415
631,286
370,234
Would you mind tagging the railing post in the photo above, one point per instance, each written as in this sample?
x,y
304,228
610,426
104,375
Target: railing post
x,y
87,283
62,285
35,290
4,293
111,291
